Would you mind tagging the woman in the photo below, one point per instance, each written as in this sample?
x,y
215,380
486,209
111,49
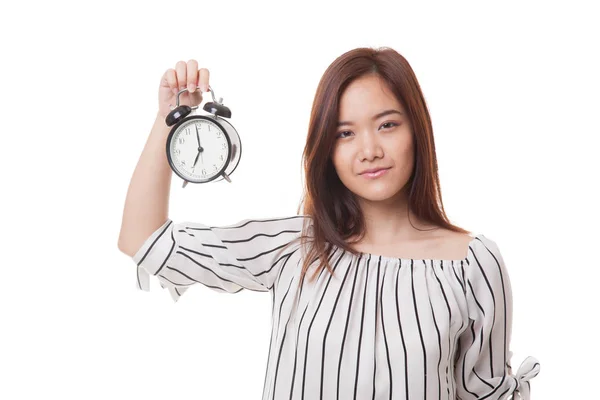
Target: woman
x,y
400,303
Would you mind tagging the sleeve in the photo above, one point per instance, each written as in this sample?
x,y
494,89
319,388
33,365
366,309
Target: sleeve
x,y
482,364
244,255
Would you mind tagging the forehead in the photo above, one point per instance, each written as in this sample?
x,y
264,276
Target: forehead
x,y
366,96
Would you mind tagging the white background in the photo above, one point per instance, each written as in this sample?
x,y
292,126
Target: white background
x,y
513,94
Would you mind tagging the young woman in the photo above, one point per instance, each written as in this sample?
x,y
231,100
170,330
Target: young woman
x,y
399,303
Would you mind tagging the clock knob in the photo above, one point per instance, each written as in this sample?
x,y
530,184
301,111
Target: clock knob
x,y
177,114
217,108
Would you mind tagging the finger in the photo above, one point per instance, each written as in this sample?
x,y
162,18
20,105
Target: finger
x,y
181,68
203,79
192,75
171,78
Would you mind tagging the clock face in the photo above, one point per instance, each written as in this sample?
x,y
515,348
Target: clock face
x,y
198,150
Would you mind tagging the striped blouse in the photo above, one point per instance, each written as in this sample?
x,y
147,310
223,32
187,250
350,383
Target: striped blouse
x,y
380,327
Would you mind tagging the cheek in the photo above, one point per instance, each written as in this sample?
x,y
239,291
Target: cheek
x,y
343,165
336,159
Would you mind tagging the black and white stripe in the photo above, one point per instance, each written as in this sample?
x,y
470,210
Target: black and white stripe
x,y
246,255
379,328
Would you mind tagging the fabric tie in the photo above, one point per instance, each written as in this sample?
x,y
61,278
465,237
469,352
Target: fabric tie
x,y
528,369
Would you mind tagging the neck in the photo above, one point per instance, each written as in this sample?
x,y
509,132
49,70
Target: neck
x,y
390,221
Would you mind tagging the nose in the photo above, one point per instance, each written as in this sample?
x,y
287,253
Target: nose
x,y
370,146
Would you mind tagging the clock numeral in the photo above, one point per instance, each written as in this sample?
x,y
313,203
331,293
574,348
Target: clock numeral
x,y
181,140
182,162
221,157
178,152
219,134
223,145
187,131
215,165
203,172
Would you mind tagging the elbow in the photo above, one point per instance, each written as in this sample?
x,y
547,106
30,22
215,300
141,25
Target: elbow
x,y
121,243
124,247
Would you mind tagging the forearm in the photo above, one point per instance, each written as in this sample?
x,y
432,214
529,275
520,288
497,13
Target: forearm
x,y
147,203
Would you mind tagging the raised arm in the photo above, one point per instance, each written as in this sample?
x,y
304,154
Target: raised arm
x,y
147,203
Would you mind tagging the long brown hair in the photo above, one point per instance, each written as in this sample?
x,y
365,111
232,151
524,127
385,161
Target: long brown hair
x,y
332,210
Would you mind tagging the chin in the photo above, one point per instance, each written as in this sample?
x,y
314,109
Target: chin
x,y
376,194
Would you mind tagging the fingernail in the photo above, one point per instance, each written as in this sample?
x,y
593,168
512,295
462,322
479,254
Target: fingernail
x,y
204,87
191,87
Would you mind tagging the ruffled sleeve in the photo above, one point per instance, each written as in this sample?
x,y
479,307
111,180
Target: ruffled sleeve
x,y
482,366
244,255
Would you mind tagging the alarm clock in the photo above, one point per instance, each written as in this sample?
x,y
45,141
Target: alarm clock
x,y
202,148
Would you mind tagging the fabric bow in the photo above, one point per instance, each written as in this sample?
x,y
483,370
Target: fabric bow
x,y
528,369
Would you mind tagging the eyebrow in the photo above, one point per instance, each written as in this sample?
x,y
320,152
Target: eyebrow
x,y
381,114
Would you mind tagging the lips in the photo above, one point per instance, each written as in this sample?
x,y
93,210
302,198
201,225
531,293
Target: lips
x,y
375,175
372,170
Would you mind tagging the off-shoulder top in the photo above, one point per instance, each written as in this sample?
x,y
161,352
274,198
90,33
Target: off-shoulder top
x,y
380,327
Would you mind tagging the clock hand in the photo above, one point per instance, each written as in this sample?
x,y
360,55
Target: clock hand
x,y
200,150
196,160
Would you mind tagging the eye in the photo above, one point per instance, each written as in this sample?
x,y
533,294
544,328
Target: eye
x,y
341,133
393,124
387,123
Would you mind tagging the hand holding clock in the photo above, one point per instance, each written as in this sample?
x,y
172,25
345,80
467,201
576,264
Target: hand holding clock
x,y
175,79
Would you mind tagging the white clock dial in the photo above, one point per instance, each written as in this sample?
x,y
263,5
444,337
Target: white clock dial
x,y
199,149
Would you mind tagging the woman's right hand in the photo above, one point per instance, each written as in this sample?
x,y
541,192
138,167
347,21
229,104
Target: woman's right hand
x,y
173,80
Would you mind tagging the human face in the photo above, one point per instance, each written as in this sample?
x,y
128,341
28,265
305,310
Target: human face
x,y
366,140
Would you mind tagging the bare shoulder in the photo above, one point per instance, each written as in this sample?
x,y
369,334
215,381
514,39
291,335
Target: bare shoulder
x,y
448,238
449,244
